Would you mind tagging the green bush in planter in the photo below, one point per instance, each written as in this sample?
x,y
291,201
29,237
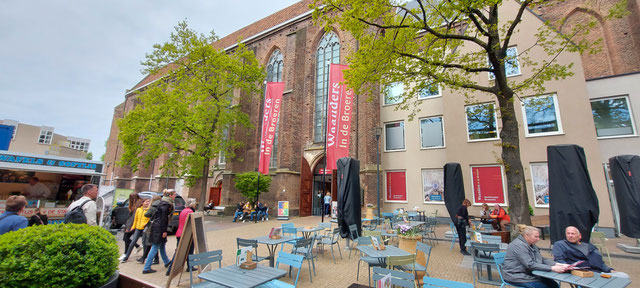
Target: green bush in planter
x,y
60,255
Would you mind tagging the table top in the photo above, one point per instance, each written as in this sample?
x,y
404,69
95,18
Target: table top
x,y
232,276
388,251
269,241
312,229
502,246
588,282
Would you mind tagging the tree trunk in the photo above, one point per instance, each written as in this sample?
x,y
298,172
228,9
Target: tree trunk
x,y
203,185
516,185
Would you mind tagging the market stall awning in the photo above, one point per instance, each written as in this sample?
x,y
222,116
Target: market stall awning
x,y
49,164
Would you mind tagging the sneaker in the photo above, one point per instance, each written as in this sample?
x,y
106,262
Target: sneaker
x,y
243,221
123,260
122,257
148,271
168,264
464,252
140,260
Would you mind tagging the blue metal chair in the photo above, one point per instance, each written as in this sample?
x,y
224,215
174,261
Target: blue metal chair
x,y
420,248
202,259
289,230
430,282
304,248
499,259
371,261
398,278
294,261
454,235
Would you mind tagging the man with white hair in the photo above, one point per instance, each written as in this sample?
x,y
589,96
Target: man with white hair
x,y
523,257
572,249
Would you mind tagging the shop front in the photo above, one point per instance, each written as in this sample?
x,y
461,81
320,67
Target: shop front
x,y
49,182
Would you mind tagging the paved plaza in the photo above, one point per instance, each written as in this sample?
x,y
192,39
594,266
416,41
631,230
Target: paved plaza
x,y
446,264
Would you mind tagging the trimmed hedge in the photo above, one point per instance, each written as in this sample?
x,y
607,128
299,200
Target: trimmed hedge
x,y
58,255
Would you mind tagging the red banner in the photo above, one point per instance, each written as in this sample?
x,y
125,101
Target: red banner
x,y
397,186
272,103
487,185
338,116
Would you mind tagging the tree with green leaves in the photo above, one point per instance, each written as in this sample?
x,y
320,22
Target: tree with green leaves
x,y
247,184
423,43
189,112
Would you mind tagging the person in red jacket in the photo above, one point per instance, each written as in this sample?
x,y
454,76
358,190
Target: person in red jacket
x,y
500,218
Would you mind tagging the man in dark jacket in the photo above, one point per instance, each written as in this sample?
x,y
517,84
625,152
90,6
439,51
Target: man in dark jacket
x,y
572,249
158,237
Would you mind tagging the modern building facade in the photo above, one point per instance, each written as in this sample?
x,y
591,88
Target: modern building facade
x,y
296,52
44,141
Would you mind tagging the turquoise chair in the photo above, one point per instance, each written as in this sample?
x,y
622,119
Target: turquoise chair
x,y
454,234
398,278
294,261
430,282
289,230
499,259
202,259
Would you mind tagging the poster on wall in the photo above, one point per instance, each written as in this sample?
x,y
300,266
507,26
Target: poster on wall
x,y
334,209
396,186
488,185
283,210
540,182
433,185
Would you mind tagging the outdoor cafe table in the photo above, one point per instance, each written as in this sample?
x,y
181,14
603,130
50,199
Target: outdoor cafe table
x,y
587,282
272,244
410,223
232,276
382,254
306,232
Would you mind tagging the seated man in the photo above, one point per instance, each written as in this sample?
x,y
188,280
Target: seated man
x,y
572,249
238,213
499,218
523,257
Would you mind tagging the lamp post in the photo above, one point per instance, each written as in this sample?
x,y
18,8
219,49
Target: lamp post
x,y
378,132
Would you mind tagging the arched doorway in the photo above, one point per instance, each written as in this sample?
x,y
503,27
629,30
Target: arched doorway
x,y
321,185
215,193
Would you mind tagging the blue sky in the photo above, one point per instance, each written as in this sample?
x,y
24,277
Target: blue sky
x,y
67,64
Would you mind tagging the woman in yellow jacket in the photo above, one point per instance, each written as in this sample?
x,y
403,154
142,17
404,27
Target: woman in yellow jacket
x,y
139,222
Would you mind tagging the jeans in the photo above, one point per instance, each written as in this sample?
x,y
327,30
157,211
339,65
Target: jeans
x,y
127,240
327,208
134,238
543,283
152,253
236,215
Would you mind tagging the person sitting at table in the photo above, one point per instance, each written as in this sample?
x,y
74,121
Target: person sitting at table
x,y
499,218
238,213
523,257
572,249
484,214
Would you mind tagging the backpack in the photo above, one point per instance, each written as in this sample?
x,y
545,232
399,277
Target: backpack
x,y
76,215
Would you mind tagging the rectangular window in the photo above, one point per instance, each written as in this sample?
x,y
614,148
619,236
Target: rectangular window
x,y
396,186
431,132
46,134
481,122
78,144
393,93
430,91
488,184
433,185
394,136
541,115
14,124
613,117
540,182
511,64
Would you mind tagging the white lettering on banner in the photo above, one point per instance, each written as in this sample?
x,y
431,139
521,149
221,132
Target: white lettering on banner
x,y
273,100
338,116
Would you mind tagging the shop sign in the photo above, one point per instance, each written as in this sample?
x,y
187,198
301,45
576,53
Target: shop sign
x,y
48,162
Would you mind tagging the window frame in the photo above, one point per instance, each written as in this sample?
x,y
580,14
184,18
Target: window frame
x,y
320,121
386,92
495,119
431,96
404,136
493,77
422,174
631,117
47,132
444,143
556,107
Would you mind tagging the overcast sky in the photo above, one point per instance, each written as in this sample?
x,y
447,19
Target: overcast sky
x,y
66,64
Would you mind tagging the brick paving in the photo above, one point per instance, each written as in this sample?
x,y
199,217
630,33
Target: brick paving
x,y
446,264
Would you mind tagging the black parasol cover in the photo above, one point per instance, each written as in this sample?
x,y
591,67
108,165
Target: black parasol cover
x,y
453,189
625,172
349,210
572,200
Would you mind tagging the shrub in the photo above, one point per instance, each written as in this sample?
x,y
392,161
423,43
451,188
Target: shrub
x,y
57,255
247,183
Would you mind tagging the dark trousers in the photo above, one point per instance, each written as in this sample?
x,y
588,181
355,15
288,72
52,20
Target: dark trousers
x,y
542,283
327,209
462,236
127,240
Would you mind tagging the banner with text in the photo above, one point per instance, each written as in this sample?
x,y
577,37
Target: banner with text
x,y
488,186
338,116
272,103
396,186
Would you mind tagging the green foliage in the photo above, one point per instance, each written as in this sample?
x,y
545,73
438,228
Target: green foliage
x,y
247,183
59,255
190,113
90,156
530,210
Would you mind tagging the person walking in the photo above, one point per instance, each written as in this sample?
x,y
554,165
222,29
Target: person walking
x,y
182,220
146,232
327,203
461,227
139,221
88,203
134,203
10,220
159,224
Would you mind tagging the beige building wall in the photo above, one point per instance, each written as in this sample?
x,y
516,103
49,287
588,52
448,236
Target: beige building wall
x,y
26,141
574,115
